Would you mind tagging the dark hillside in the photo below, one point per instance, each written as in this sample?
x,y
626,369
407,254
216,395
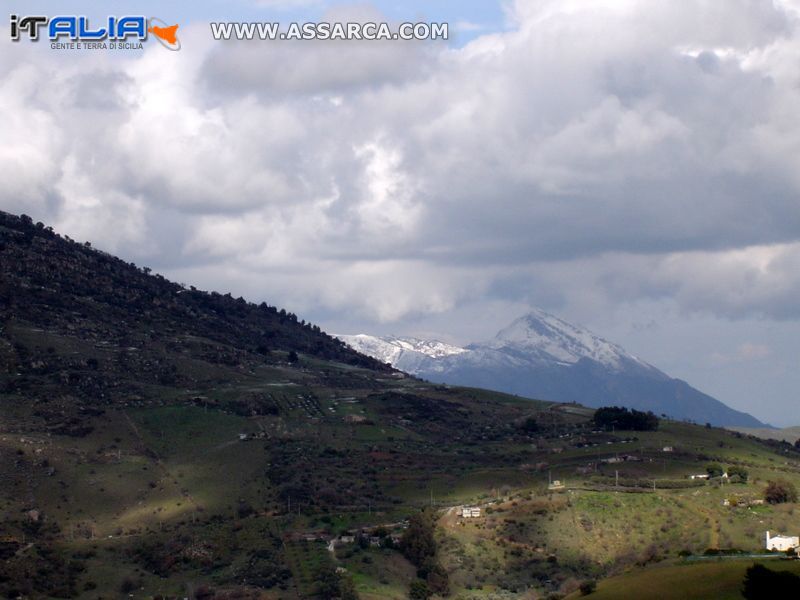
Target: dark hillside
x,y
83,319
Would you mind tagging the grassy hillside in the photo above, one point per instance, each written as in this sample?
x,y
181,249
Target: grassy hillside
x,y
158,442
718,579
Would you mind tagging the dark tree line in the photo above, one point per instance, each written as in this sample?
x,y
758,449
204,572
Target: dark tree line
x,y
617,417
418,545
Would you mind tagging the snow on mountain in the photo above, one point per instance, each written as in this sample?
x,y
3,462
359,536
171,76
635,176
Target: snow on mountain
x,y
540,335
542,356
535,338
406,353
432,348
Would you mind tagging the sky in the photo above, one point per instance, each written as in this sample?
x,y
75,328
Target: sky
x,y
631,166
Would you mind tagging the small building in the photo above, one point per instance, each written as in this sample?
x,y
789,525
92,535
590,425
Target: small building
x,y
243,437
782,543
471,512
700,476
556,485
668,449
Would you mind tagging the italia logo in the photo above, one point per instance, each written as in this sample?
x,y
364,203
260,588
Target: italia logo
x,y
77,29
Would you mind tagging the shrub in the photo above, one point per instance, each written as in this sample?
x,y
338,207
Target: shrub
x,y
419,590
780,492
588,587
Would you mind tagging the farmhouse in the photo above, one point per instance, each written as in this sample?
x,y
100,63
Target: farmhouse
x,y
471,512
782,543
700,476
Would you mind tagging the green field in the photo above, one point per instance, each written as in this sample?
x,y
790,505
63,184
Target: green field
x,y
718,580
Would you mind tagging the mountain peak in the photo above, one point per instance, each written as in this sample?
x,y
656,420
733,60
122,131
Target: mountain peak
x,y
547,337
542,356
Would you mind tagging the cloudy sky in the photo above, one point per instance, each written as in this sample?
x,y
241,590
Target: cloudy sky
x,y
632,166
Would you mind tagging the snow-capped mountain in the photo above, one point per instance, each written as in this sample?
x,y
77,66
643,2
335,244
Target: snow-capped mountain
x,y
404,353
540,335
390,349
542,356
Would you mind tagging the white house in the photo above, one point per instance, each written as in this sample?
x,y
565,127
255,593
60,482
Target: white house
x,y
782,543
700,476
471,512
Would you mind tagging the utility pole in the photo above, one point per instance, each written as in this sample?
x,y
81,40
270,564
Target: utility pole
x,y
616,478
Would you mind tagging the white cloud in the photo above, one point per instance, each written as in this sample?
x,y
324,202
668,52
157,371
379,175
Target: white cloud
x,y
596,153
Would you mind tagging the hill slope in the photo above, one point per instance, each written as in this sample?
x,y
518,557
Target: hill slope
x,y
137,326
542,356
150,445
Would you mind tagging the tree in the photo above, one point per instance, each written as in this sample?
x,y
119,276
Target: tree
x,y
347,589
714,470
418,544
332,586
739,474
530,425
588,587
780,492
761,582
617,417
293,358
438,580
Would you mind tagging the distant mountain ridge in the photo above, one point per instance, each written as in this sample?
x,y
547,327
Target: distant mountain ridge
x,y
542,356
787,434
